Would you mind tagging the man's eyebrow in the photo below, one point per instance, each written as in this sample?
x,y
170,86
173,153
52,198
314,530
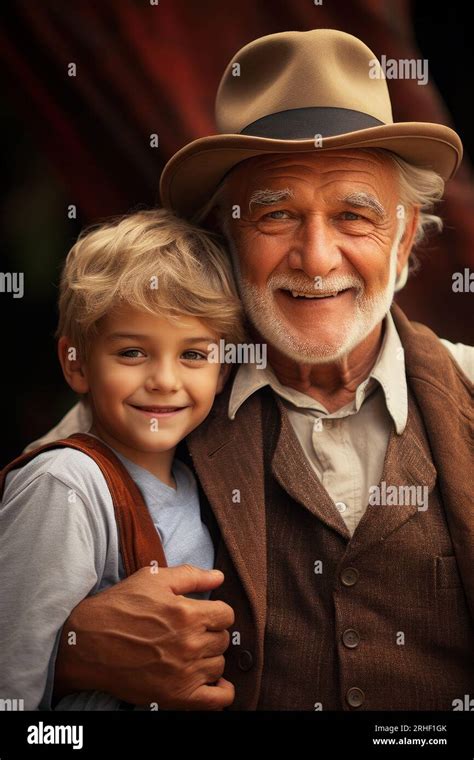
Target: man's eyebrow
x,y
141,336
364,200
268,197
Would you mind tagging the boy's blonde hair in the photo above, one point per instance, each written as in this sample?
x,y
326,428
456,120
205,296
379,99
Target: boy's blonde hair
x,y
155,262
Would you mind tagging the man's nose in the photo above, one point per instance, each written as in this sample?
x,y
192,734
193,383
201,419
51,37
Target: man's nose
x,y
315,249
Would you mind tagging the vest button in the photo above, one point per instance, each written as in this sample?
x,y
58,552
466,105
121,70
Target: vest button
x,y
349,576
350,638
355,697
245,660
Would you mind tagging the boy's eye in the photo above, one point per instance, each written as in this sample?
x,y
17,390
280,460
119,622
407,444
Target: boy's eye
x,y
132,353
195,355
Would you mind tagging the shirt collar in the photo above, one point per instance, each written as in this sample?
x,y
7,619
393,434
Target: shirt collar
x,y
388,371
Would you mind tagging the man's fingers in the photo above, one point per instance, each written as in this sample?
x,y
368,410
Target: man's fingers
x,y
211,668
215,697
187,579
211,644
215,615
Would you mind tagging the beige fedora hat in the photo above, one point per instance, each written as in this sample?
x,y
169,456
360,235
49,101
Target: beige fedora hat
x,y
299,92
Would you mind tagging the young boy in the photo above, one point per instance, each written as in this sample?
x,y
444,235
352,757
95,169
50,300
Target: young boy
x,y
142,300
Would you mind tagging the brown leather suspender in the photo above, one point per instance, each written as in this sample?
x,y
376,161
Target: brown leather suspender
x,y
140,542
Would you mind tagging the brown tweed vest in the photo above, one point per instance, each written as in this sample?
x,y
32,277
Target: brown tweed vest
x,y
383,621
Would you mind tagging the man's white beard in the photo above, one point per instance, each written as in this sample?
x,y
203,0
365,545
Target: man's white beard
x,y
260,307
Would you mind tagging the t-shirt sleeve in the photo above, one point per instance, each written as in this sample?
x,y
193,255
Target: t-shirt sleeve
x,y
49,563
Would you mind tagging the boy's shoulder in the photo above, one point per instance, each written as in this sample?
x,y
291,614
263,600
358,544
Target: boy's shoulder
x,y
67,466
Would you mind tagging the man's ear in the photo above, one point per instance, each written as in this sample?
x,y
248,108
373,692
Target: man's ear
x,y
224,372
72,366
406,243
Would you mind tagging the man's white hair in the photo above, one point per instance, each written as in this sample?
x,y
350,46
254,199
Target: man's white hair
x,y
417,187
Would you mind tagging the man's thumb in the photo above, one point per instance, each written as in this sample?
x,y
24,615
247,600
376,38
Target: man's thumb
x,y
186,579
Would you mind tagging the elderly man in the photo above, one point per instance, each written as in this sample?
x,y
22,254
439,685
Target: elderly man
x,y
336,479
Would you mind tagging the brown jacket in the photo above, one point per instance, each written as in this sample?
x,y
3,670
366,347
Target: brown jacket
x,y
228,458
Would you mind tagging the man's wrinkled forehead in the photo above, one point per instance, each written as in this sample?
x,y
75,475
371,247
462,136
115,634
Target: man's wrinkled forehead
x,y
254,172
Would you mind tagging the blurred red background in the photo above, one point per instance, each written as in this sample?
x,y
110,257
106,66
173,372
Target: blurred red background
x,y
144,68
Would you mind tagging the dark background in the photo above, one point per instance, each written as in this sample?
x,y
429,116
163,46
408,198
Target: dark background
x,y
146,69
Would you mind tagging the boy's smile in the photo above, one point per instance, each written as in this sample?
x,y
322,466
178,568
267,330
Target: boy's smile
x,y
159,411
149,383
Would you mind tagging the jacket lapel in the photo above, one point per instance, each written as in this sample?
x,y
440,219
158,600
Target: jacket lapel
x,y
227,457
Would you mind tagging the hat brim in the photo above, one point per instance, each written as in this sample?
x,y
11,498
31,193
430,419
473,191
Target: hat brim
x,y
192,175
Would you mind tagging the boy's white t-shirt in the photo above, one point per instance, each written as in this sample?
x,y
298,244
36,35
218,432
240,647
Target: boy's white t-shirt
x,y
59,543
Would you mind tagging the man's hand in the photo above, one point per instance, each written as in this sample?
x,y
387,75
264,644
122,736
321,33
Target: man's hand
x,y
144,642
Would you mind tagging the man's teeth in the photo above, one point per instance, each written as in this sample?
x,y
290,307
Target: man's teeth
x,y
297,294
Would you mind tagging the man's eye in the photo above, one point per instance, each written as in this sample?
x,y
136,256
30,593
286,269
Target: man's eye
x,y
196,355
351,216
271,215
132,353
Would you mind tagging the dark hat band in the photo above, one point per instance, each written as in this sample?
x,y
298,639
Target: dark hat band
x,y
305,123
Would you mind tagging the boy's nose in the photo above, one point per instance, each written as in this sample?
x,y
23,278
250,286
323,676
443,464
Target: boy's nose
x,y
164,378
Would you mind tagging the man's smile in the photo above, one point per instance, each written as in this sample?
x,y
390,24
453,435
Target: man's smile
x,y
311,299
